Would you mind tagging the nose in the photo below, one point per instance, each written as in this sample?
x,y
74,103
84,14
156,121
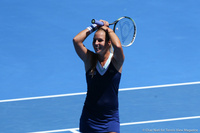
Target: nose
x,y
96,41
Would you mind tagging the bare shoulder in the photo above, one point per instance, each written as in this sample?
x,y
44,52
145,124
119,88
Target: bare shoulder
x,y
91,60
117,64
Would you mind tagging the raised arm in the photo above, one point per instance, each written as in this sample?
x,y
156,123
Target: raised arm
x,y
81,50
118,51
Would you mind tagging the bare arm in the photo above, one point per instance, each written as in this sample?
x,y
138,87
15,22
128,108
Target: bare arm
x,y
85,54
118,51
81,50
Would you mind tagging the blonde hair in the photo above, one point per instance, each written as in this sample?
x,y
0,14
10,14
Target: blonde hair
x,y
93,63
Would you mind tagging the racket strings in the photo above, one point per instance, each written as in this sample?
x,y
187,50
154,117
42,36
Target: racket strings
x,y
125,31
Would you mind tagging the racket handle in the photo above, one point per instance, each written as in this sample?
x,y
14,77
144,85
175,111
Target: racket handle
x,y
94,21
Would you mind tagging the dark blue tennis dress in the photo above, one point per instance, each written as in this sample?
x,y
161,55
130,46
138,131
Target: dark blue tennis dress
x,y
100,112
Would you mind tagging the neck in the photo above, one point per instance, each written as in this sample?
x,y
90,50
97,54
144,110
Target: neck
x,y
103,58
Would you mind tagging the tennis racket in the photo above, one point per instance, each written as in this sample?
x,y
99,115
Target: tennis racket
x,y
124,28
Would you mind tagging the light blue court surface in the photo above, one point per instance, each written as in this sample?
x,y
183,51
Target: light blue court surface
x,y
42,80
142,109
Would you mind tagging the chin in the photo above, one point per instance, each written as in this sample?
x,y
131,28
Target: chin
x,y
97,52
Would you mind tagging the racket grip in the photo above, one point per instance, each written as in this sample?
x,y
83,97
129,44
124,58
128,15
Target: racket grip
x,y
94,21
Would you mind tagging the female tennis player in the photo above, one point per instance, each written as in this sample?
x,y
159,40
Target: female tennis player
x,y
103,72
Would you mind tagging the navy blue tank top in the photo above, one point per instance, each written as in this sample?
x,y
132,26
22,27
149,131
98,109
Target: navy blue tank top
x,y
102,90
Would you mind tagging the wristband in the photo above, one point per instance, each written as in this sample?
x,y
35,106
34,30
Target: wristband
x,y
92,28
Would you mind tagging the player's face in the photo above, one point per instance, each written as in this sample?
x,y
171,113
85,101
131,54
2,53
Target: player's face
x,y
99,42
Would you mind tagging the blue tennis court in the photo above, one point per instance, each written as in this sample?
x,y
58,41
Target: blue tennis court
x,y
143,109
42,80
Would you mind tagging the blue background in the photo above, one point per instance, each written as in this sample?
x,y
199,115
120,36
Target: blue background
x,y
37,58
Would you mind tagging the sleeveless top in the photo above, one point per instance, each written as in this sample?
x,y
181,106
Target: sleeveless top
x,y
102,89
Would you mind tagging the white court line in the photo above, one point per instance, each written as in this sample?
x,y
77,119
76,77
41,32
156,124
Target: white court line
x,y
160,86
162,120
83,93
42,97
74,130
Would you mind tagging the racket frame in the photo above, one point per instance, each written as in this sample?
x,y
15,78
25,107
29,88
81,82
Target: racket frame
x,y
114,27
